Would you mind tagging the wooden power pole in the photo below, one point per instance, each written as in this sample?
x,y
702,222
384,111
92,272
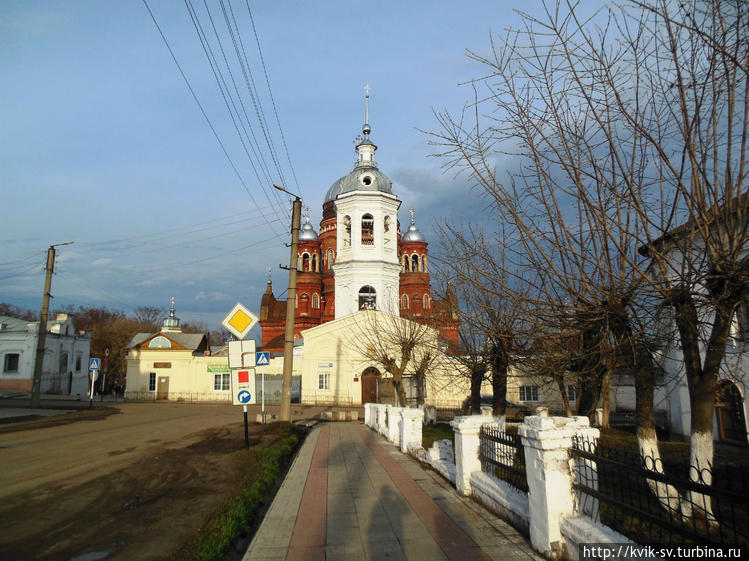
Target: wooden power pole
x,y
288,345
41,339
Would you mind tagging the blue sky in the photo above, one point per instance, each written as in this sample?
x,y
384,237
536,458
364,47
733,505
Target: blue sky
x,y
104,145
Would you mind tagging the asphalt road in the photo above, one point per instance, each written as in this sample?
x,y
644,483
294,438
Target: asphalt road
x,y
77,452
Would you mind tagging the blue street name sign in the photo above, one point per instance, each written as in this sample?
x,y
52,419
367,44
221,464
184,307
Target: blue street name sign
x,y
93,364
262,358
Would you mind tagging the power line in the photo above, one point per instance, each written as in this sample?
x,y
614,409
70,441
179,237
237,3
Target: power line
x,y
205,116
225,91
270,92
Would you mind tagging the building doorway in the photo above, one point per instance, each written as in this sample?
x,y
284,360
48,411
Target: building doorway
x,y
162,391
369,379
729,409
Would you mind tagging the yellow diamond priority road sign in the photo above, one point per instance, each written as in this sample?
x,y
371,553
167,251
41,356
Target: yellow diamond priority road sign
x,y
239,321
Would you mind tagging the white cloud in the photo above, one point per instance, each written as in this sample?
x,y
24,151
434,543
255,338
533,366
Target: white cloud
x,y
101,262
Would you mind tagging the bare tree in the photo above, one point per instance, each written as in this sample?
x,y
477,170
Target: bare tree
x,y
628,132
400,346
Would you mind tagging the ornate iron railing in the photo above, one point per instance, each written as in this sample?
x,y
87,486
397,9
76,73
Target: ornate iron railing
x,y
502,456
652,502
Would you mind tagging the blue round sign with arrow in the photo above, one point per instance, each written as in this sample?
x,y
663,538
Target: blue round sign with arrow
x,y
244,396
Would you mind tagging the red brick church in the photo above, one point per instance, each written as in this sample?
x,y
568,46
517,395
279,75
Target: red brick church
x,y
360,259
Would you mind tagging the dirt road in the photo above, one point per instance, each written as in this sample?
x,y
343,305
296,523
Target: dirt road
x,y
82,451
134,485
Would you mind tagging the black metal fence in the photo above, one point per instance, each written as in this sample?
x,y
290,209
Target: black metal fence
x,y
502,456
652,502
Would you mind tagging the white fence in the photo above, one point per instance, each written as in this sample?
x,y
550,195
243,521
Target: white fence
x,y
548,512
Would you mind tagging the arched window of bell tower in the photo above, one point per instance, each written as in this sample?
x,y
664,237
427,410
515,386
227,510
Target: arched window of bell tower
x,y
387,223
367,230
405,263
367,298
415,263
330,258
346,231
305,261
404,302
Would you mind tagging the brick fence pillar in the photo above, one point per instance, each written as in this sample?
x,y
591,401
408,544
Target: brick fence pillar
x,y
547,464
411,421
467,450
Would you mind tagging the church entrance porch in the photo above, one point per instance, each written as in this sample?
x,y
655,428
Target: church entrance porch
x,y
369,385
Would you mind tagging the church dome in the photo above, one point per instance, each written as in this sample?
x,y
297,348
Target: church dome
x,y
307,233
413,235
364,177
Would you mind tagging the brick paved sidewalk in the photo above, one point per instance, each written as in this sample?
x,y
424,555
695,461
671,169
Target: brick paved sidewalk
x,y
352,496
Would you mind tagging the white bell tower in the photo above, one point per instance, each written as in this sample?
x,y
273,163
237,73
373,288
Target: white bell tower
x,y
367,270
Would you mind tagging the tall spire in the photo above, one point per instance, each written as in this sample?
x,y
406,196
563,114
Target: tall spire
x,y
364,147
411,210
366,129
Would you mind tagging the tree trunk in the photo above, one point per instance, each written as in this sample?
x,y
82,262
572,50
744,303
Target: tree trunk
x,y
499,386
606,398
477,376
399,397
420,381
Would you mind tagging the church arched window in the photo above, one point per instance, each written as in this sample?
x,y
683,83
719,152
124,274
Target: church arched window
x,y
330,258
415,263
404,301
405,263
426,301
346,231
416,299
315,301
367,230
305,261
387,224
367,298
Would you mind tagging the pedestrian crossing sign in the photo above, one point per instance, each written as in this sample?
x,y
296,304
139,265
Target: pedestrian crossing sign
x,y
262,358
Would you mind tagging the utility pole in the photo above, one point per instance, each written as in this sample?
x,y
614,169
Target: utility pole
x,y
41,338
288,345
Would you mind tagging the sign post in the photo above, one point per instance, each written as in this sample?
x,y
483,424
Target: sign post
x,y
243,393
239,322
262,359
93,371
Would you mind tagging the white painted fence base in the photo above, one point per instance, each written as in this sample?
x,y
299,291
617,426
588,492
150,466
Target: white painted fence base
x,y
547,512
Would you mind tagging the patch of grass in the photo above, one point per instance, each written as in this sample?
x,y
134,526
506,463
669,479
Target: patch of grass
x,y
438,431
232,519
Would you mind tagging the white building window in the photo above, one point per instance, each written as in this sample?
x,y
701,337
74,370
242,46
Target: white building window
x,y
571,394
323,381
152,382
528,393
221,382
10,364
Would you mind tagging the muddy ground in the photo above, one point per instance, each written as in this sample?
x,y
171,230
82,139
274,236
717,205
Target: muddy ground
x,y
146,509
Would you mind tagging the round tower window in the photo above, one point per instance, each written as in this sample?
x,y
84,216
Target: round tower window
x,y
366,179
